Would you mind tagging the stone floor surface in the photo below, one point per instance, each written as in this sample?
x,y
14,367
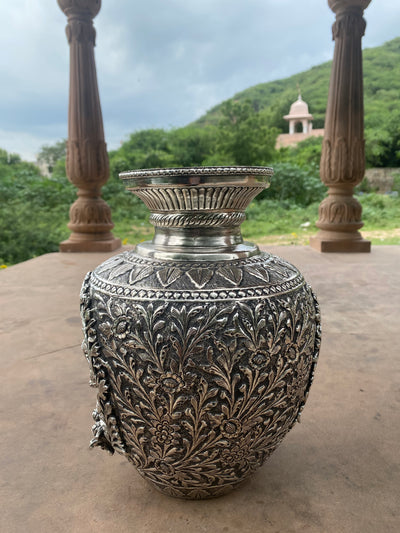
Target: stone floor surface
x,y
337,471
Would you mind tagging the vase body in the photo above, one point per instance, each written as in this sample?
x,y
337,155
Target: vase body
x,y
202,347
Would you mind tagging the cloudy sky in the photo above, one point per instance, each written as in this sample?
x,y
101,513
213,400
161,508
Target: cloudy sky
x,y
160,63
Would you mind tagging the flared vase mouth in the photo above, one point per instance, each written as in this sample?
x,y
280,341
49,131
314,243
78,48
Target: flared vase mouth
x,y
193,189
197,211
197,176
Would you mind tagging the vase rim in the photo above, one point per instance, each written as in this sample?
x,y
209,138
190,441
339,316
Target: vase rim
x,y
219,171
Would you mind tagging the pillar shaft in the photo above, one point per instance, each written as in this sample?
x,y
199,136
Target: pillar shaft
x,y
343,158
87,159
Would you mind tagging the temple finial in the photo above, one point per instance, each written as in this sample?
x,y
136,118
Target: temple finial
x,y
298,91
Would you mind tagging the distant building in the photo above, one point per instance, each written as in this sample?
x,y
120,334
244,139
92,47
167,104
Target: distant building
x,y
299,115
300,125
43,167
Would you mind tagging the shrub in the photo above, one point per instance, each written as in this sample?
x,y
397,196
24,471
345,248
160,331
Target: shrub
x,y
295,185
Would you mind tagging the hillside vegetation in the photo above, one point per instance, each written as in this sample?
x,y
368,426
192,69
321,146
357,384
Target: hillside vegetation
x,y
243,129
239,131
381,66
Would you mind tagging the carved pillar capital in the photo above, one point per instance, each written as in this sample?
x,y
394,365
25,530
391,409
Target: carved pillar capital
x,y
349,23
80,30
349,18
87,159
80,19
343,151
80,7
340,6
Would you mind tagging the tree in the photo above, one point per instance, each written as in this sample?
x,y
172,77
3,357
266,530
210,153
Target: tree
x,y
190,146
304,154
244,135
7,158
144,149
382,144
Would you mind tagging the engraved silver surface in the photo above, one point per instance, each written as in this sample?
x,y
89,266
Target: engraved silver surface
x,y
202,366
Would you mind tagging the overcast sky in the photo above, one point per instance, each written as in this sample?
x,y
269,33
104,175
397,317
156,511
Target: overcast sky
x,y
160,63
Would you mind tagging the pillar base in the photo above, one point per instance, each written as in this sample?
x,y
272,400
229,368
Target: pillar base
x,y
105,245
322,243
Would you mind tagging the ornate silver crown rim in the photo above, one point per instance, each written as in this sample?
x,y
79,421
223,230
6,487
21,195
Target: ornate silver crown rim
x,y
196,171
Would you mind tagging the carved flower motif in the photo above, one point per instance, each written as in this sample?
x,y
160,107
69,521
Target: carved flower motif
x,y
170,382
259,359
122,327
164,432
292,352
262,350
235,454
231,428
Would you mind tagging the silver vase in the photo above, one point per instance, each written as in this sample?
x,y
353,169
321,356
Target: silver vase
x,y
202,348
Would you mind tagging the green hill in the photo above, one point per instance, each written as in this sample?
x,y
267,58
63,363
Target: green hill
x,y
381,90
243,129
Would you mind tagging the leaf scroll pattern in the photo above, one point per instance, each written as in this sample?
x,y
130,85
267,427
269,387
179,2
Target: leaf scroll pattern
x,y
198,396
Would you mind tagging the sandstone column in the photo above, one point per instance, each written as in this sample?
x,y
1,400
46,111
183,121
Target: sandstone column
x,y
87,160
343,160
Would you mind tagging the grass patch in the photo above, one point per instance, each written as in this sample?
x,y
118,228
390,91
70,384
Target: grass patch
x,y
270,222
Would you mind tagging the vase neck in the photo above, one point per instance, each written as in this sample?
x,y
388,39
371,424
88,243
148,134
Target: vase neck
x,y
195,241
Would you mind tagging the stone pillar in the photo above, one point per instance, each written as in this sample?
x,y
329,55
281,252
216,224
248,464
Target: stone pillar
x,y
87,159
343,160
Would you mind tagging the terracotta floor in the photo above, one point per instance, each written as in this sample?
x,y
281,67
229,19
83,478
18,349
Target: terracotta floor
x,y
337,471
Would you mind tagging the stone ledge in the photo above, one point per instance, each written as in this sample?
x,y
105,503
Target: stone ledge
x,y
336,471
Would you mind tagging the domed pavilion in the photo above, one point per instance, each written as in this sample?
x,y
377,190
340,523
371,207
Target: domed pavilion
x,y
300,125
299,115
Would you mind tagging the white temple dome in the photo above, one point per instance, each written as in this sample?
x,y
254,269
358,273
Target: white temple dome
x,y
299,109
299,114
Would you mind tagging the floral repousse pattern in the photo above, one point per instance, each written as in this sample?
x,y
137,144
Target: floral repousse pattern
x,y
198,394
